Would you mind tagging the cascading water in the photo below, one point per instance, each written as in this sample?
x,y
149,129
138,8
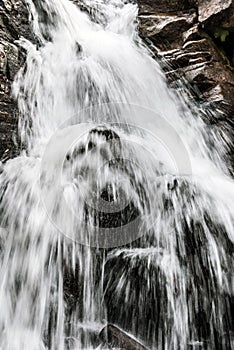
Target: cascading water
x,y
119,208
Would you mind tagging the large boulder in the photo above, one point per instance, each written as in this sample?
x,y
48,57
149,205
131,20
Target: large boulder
x,y
207,9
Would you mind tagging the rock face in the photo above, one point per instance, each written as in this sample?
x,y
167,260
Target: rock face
x,y
208,8
13,24
195,40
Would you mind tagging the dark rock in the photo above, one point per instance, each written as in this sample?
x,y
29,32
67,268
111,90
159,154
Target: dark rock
x,y
161,28
194,40
13,24
136,289
116,337
166,6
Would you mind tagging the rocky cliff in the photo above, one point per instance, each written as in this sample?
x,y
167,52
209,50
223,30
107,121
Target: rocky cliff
x,y
192,38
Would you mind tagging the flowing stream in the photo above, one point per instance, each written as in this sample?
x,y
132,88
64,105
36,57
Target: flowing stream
x,y
120,206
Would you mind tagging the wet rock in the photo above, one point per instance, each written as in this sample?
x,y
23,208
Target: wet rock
x,y
161,28
193,38
116,337
13,24
194,41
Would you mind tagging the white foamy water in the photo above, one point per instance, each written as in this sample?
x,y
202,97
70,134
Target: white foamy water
x,y
119,207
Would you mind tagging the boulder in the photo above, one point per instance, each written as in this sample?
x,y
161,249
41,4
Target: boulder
x,y
161,28
210,8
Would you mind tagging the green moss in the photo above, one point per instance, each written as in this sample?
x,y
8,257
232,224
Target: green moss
x,y
221,34
226,60
224,39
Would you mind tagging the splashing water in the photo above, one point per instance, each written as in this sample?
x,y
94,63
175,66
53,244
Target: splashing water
x,y
119,208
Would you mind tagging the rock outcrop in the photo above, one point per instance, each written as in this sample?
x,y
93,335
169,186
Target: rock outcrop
x,y
195,40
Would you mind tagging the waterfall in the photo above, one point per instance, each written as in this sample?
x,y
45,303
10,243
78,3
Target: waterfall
x,y
120,206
